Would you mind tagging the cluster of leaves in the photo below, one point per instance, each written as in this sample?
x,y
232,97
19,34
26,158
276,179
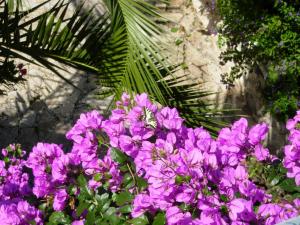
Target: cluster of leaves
x,y
272,177
264,34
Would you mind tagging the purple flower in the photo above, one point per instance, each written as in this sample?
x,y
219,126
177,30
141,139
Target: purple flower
x,y
3,171
193,178
241,173
241,210
175,216
125,99
130,145
142,100
60,199
78,222
8,214
258,133
187,195
169,118
42,156
294,137
4,152
235,137
59,168
141,204
87,121
261,153
270,213
28,213
18,212
212,217
42,186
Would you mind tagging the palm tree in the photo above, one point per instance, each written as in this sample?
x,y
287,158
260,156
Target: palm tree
x,y
121,46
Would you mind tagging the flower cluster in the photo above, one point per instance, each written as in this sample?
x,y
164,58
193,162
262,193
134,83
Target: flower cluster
x,y
292,151
86,152
54,171
190,176
48,164
15,188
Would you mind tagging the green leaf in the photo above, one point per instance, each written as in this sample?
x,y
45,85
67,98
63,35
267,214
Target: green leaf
x,y
83,205
10,4
85,192
6,159
121,46
273,74
124,168
159,219
174,29
141,183
127,178
113,219
90,218
97,177
32,222
102,199
131,184
178,41
289,185
182,179
114,196
124,197
59,218
72,190
125,209
43,206
110,211
105,206
139,221
224,198
224,210
275,181
118,156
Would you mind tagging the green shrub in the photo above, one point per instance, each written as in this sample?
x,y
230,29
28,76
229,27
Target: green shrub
x,y
264,33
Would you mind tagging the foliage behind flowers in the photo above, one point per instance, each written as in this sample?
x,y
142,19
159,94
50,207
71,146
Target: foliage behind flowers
x,y
265,33
144,166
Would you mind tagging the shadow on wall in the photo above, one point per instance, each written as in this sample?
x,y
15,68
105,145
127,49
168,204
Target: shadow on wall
x,y
208,9
99,6
45,117
44,108
41,116
250,103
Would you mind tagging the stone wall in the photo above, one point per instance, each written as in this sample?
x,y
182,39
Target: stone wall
x,y
44,107
192,34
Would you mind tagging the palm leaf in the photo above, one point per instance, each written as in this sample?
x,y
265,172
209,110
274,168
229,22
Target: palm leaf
x,y
122,46
137,64
55,36
143,68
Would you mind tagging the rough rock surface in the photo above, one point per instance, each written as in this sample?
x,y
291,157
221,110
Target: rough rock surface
x,y
192,33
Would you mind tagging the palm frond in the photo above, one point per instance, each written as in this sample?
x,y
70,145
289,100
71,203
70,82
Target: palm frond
x,y
191,100
122,46
144,68
138,38
53,34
